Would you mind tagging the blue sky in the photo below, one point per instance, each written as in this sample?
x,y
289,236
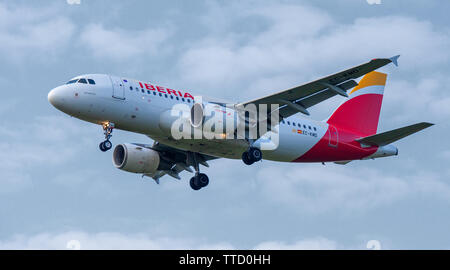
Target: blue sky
x,y
56,186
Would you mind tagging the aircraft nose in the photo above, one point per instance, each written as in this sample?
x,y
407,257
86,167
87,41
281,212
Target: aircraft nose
x,y
55,97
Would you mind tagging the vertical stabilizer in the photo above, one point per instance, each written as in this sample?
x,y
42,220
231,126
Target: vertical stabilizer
x,y
361,111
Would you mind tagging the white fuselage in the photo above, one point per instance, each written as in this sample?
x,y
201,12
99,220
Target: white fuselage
x,y
137,107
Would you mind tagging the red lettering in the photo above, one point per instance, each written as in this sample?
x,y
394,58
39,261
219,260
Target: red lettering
x,y
141,85
150,87
187,95
160,89
171,91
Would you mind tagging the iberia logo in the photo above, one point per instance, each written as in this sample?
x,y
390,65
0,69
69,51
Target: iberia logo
x,y
165,90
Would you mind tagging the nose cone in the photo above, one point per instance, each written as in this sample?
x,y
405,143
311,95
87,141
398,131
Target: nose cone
x,y
55,97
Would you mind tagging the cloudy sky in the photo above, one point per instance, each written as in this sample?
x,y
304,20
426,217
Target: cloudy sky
x,y
56,186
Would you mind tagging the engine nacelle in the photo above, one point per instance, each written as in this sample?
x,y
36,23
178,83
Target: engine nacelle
x,y
135,159
209,119
215,118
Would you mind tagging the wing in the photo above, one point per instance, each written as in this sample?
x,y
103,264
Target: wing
x,y
175,160
299,98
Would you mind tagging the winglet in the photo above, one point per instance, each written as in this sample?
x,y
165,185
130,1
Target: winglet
x,y
394,60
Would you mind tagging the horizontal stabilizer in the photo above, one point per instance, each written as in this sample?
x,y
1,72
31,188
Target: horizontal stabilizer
x,y
388,137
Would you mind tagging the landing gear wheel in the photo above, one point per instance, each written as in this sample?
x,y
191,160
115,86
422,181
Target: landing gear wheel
x,y
107,130
254,154
246,159
202,180
102,147
107,145
193,184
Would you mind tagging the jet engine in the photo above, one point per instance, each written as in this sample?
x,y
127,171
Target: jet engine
x,y
215,118
211,120
136,159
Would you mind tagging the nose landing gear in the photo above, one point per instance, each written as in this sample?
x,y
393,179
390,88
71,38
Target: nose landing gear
x,y
107,130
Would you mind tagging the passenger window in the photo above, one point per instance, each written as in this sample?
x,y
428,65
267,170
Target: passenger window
x,y
148,92
189,100
315,129
182,99
154,93
160,94
304,126
309,127
82,81
165,95
293,123
288,122
142,90
283,121
171,97
131,88
178,98
91,81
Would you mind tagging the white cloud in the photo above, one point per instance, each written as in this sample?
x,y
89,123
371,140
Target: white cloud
x,y
36,143
112,240
316,189
302,43
74,2
373,2
318,243
120,44
32,32
105,240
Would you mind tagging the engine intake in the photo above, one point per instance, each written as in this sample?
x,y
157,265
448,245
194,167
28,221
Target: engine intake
x,y
135,159
197,115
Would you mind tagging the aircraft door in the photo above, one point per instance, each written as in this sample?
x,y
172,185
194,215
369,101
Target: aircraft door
x,y
118,88
333,137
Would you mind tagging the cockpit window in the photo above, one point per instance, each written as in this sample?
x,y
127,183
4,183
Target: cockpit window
x,y
91,81
82,81
72,81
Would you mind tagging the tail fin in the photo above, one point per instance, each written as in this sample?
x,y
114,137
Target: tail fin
x,y
360,113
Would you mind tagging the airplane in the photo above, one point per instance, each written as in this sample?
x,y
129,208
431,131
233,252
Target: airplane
x,y
349,134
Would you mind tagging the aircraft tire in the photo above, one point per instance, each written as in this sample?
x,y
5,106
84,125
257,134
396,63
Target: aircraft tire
x,y
254,154
246,159
102,147
202,180
193,184
107,145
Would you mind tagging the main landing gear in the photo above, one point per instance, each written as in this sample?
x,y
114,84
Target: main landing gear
x,y
107,130
251,156
200,180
